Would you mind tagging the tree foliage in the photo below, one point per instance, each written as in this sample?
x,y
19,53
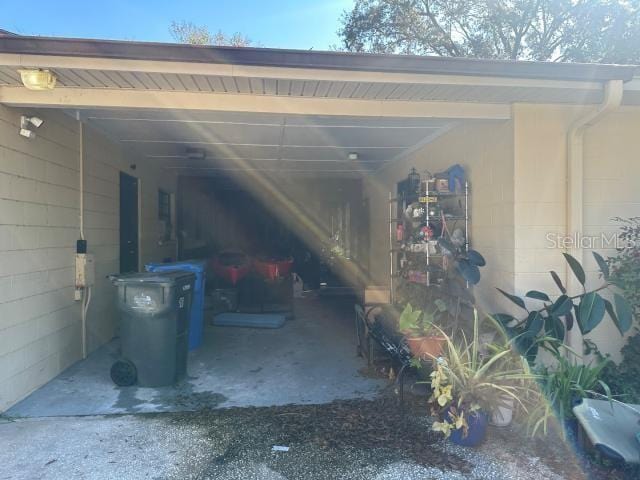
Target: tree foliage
x,y
606,31
192,34
625,266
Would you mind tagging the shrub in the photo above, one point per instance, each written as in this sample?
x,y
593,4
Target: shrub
x,y
624,379
625,267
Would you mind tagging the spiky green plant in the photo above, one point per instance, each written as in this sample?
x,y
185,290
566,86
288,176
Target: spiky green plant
x,y
562,385
468,379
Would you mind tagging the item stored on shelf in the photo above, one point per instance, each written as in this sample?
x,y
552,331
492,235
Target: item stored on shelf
x,y
442,185
416,276
421,215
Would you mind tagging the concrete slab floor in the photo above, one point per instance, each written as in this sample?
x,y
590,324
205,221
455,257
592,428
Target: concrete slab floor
x,y
310,360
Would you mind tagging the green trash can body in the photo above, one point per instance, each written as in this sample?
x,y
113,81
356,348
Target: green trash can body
x,y
154,324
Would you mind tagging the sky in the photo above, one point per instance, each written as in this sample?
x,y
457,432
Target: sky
x,y
278,24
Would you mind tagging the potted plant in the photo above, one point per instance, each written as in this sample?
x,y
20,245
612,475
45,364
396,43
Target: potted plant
x,y
468,387
563,385
424,341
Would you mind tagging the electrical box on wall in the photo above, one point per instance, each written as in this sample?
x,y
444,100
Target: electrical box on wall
x,y
85,270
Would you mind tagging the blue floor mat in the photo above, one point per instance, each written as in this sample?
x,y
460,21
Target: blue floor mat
x,y
249,320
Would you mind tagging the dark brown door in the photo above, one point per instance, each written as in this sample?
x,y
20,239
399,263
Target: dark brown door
x,y
128,223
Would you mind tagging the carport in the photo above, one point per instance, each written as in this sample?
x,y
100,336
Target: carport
x,y
304,134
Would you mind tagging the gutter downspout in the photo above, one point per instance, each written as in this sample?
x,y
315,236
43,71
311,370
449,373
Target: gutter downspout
x,y
613,91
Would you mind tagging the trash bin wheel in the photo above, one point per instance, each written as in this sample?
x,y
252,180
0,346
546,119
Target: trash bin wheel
x,y
124,373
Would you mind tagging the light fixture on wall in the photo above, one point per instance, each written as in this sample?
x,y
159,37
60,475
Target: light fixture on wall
x,y
353,155
196,153
26,122
38,79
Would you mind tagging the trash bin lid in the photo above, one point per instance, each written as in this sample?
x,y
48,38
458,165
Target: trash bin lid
x,y
197,266
164,278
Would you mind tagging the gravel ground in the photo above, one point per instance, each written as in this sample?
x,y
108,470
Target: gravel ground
x,y
358,440
342,440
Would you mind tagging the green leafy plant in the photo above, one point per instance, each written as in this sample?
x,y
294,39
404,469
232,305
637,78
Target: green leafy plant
x,y
546,326
467,263
419,323
625,266
466,380
624,378
563,385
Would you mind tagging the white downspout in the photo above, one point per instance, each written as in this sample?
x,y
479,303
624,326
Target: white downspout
x,y
613,91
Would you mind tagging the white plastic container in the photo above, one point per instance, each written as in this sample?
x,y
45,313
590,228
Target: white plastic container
x,y
503,415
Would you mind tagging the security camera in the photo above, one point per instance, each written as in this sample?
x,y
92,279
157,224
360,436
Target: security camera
x,y
27,133
35,121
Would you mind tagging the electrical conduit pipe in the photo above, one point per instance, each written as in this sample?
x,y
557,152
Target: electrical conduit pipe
x,y
86,294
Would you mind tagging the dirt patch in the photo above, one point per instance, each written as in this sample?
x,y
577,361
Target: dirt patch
x,y
336,437
359,439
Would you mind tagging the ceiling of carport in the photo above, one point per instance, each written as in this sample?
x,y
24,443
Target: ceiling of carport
x,y
266,142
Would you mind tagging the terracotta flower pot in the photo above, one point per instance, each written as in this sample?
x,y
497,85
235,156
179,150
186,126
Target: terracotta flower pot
x,y
426,347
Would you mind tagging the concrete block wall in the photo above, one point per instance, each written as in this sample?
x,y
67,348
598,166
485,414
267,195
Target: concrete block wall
x,y
540,186
485,150
39,225
611,189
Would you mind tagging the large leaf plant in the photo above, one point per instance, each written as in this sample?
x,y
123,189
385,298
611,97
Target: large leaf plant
x,y
545,325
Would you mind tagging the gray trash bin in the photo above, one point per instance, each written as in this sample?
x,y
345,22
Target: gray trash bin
x,y
154,327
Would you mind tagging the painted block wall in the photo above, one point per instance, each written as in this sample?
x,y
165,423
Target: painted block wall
x,y
611,189
611,175
485,150
518,171
39,225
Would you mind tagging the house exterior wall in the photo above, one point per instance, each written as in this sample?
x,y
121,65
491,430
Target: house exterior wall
x,y
39,224
485,150
518,173
612,189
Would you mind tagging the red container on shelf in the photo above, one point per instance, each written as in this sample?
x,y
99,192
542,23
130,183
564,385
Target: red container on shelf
x,y
231,266
273,268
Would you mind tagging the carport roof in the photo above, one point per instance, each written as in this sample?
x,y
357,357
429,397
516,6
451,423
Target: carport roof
x,y
170,52
295,110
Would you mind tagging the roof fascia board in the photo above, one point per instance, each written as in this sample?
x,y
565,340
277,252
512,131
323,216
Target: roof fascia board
x,y
310,59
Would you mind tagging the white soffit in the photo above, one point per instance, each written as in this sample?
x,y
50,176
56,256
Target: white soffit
x,y
237,141
413,88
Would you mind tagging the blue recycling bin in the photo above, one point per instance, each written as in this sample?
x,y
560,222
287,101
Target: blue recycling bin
x,y
196,322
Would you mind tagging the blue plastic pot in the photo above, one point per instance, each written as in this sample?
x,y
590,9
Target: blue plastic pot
x,y
478,422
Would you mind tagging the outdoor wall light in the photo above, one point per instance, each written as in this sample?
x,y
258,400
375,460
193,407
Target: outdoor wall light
x,y
37,79
353,155
196,153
